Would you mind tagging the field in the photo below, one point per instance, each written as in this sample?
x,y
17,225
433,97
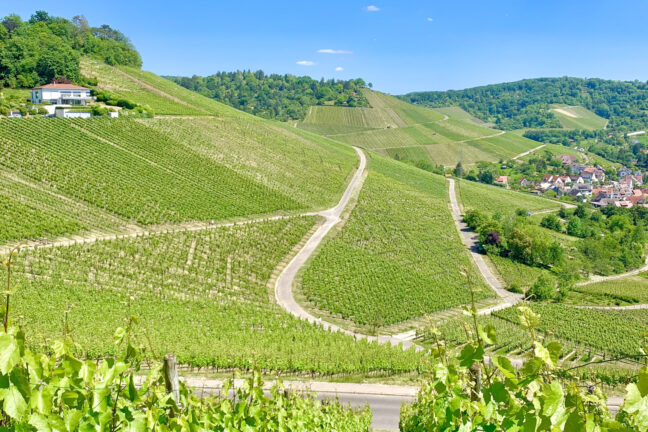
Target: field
x,y
202,295
493,199
577,117
389,262
145,88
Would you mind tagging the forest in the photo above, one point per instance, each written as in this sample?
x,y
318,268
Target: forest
x,y
526,103
34,52
281,97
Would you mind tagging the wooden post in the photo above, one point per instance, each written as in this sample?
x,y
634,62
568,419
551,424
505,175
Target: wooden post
x,y
476,376
171,381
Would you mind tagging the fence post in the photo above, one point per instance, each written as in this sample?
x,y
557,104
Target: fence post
x,y
171,381
476,376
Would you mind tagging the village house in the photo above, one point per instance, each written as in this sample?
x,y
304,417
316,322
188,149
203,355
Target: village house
x,y
632,180
502,180
524,182
580,190
567,159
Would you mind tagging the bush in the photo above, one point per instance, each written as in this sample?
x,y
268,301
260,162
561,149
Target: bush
x,y
475,219
543,289
552,222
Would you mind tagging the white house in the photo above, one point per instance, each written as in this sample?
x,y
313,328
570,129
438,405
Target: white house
x,y
61,94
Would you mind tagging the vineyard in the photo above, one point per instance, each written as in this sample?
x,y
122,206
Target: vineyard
x,y
145,88
493,199
202,295
389,262
309,168
613,331
458,113
631,289
135,171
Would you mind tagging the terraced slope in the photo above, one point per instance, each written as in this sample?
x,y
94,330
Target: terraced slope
x,y
389,262
404,131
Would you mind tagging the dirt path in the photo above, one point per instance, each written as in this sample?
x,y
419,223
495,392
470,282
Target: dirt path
x,y
471,241
595,278
135,231
528,152
286,279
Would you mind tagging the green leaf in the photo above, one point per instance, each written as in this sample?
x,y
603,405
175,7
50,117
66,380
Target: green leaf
x,y
120,333
555,350
14,403
488,334
552,398
543,354
532,366
504,365
642,383
40,422
72,419
9,353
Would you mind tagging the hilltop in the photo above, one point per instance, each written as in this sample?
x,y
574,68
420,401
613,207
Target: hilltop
x,y
413,133
530,103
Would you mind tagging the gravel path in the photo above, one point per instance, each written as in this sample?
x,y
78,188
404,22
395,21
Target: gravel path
x,y
471,240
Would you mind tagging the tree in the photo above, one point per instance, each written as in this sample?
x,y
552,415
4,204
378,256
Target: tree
x,y
40,16
544,288
552,222
580,211
520,246
81,23
485,177
458,171
11,22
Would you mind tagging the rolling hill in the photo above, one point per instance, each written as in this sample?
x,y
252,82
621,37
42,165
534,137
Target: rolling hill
x,y
408,132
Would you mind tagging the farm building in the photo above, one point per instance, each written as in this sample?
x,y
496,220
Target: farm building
x,y
61,94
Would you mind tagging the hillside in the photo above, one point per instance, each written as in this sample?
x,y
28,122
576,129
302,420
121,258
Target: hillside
x,y
413,133
281,97
528,103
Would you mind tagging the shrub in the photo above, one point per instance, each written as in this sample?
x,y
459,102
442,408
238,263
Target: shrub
x,y
552,222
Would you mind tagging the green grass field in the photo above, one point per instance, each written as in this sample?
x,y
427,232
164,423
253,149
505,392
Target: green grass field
x,y
389,263
577,117
492,199
201,295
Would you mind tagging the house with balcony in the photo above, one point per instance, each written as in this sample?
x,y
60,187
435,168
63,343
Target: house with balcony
x,y
61,94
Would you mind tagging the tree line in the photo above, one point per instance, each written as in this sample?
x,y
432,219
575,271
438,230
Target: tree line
x,y
34,52
526,103
282,97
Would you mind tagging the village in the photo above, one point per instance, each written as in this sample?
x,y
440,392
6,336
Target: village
x,y
587,183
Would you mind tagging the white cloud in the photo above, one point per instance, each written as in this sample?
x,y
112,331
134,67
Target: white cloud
x,y
373,8
333,51
305,63
430,19
339,69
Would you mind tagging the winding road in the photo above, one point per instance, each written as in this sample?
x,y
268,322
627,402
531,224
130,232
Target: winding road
x,y
286,279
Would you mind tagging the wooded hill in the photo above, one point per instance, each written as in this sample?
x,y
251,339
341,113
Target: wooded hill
x,y
281,97
45,47
527,103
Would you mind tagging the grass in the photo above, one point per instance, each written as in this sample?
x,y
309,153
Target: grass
x,y
578,117
516,274
200,295
493,199
389,263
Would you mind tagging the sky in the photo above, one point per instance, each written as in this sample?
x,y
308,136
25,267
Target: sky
x,y
399,46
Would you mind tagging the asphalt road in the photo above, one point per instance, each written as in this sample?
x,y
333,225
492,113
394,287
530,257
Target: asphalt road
x,y
385,409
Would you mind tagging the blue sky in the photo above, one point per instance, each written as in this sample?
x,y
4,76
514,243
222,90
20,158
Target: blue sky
x,y
399,46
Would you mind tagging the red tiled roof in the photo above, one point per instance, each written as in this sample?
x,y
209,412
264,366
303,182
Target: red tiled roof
x,y
62,87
